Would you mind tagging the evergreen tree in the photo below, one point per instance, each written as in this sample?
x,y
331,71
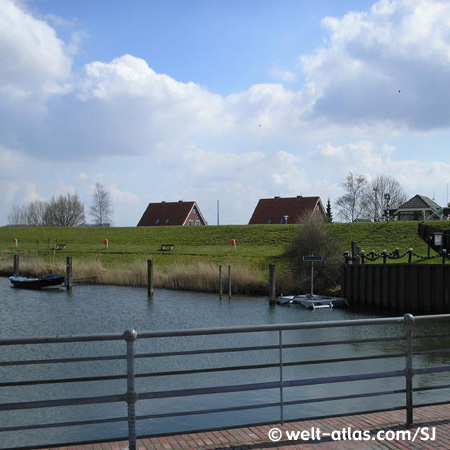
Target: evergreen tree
x,y
329,214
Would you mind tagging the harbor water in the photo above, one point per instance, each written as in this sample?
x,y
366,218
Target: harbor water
x,y
109,309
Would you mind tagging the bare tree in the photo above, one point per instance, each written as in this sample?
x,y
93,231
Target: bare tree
x,y
101,208
353,204
36,213
384,192
17,216
65,211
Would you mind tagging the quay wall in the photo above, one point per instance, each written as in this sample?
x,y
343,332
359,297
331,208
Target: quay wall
x,y
413,288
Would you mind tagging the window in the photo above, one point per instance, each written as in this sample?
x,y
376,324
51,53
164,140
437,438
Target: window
x,y
157,222
167,222
197,222
190,223
270,220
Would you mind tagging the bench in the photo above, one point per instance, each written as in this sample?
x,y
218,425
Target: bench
x,y
166,247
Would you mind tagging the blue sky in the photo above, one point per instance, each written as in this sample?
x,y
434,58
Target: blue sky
x,y
212,100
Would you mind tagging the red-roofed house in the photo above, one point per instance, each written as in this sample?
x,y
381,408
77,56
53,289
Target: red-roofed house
x,y
172,213
287,210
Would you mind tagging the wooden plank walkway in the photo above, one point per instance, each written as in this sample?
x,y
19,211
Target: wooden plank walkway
x,y
431,431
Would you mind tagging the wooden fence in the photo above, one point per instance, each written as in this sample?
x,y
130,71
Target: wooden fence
x,y
413,288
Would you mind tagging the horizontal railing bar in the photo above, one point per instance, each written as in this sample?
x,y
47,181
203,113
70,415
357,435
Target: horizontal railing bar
x,y
208,411
63,424
213,331
437,317
63,339
279,327
62,360
195,352
206,351
268,385
62,380
431,336
268,405
226,330
195,371
62,402
428,370
266,347
265,366
432,388
431,352
255,424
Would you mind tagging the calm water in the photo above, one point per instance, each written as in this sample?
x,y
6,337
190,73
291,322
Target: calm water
x,y
105,309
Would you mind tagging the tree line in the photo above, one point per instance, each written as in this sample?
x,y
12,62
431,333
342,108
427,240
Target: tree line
x,y
64,210
369,200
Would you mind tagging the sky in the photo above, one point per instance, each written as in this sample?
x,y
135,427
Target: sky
x,y
223,101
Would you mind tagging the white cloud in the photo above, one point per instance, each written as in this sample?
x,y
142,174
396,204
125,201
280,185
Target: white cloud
x,y
285,76
401,45
32,55
145,134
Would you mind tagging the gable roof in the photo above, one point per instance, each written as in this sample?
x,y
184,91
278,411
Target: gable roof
x,y
419,203
169,213
274,210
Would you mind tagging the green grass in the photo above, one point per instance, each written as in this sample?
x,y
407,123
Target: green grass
x,y
257,245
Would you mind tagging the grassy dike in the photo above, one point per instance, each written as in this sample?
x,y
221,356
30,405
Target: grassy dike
x,y
193,262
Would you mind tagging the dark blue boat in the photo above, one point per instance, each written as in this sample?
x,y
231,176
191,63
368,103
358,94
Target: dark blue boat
x,y
49,282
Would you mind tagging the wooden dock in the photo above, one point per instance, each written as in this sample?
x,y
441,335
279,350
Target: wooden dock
x,y
426,419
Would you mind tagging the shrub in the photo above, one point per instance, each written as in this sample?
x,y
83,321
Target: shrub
x,y
313,238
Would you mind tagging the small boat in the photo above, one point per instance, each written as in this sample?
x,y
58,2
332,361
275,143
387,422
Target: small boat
x,y
48,282
310,301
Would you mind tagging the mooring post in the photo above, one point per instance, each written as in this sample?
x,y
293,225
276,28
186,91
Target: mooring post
x,y
150,278
16,265
272,284
220,282
409,370
229,281
410,253
68,272
131,395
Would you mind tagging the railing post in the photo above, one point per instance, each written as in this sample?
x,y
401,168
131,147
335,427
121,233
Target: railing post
x,y
280,342
409,370
131,395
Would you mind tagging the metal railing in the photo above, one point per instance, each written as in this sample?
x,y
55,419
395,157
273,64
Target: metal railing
x,y
276,340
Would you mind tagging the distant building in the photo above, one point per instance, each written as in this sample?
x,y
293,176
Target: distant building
x,y
287,210
418,208
172,213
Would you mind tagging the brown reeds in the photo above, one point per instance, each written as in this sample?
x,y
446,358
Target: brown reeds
x,y
198,276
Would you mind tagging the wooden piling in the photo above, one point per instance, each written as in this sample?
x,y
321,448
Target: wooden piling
x,y
150,278
272,286
68,272
16,265
229,281
220,282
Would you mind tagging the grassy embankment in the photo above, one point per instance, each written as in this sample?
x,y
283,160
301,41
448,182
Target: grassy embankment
x,y
193,263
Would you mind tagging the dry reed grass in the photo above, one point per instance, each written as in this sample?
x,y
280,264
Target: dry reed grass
x,y
199,276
